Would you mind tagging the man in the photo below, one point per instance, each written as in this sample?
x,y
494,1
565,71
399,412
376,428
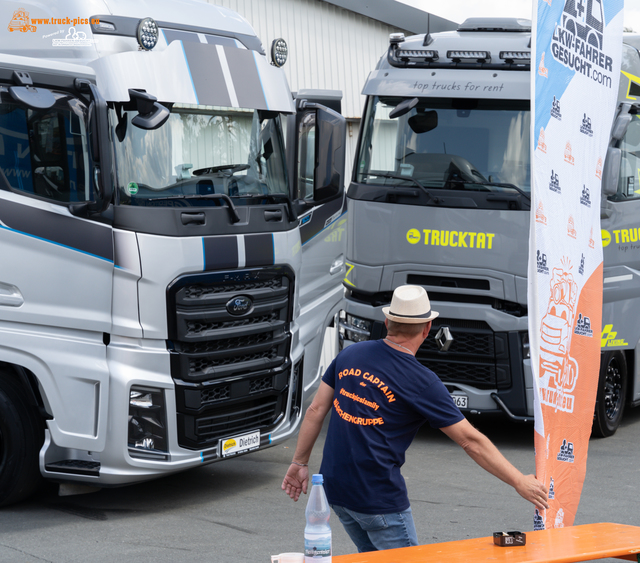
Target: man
x,y
380,395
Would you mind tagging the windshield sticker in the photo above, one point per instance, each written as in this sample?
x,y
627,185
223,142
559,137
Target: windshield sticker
x,y
454,86
457,239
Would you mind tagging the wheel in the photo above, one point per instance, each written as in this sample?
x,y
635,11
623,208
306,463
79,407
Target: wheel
x,y
21,437
612,392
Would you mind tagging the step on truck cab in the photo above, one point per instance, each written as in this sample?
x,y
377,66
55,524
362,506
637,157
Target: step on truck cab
x,y
168,268
443,162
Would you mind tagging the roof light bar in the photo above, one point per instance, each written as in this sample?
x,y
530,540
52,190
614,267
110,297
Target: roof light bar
x,y
422,54
469,55
515,55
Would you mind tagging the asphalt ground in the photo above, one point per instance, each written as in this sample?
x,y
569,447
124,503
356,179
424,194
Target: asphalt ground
x,y
234,511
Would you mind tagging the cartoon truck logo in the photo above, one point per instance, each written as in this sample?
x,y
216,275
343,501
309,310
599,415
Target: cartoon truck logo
x,y
556,331
584,19
20,21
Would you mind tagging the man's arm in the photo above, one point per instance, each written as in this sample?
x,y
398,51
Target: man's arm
x,y
297,477
487,456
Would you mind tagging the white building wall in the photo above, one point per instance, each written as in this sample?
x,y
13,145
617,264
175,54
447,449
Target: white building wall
x,y
329,48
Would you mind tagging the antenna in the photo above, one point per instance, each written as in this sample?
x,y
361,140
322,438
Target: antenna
x,y
427,38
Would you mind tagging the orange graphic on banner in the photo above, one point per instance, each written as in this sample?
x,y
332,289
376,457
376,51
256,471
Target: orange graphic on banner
x,y
540,216
542,147
592,243
548,2
567,154
571,227
599,169
542,70
569,366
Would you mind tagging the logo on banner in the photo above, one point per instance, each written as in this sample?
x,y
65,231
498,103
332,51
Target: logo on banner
x,y
577,41
567,154
554,183
581,268
542,147
585,198
558,371
585,127
540,216
542,263
542,70
552,491
566,452
571,227
559,523
538,521
583,326
555,109
599,169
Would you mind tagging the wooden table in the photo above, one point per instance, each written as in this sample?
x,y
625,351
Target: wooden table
x,y
560,545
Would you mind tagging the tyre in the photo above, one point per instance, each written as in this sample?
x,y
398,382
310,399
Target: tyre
x,y
21,437
612,392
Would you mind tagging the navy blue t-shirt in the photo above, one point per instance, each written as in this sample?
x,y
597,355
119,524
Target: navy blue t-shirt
x,y
382,396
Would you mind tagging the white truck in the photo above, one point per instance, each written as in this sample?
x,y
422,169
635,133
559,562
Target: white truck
x,y
443,164
169,262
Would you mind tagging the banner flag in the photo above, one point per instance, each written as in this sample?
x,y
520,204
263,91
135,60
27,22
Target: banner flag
x,y
575,68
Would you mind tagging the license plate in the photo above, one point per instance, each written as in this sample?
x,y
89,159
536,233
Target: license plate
x,y
238,444
461,401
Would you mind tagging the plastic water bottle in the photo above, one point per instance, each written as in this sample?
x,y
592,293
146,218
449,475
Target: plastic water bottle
x,y
317,533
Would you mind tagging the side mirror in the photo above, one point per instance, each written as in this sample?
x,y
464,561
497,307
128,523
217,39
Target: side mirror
x,y
151,114
611,171
330,155
319,153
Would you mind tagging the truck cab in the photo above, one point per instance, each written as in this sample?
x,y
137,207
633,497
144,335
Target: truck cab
x,y
441,197
154,300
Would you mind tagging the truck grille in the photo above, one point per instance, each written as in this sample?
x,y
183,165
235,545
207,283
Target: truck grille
x,y
477,356
229,342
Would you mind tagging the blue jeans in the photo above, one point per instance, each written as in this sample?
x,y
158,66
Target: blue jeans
x,y
373,532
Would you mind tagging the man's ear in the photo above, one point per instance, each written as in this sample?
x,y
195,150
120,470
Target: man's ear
x,y
426,329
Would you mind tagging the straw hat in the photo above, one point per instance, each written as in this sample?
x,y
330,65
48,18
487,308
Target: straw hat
x,y
410,304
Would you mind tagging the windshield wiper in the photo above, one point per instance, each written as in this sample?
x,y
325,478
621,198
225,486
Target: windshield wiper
x,y
405,178
233,213
275,198
496,184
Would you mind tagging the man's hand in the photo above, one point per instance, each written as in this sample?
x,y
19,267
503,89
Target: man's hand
x,y
534,491
296,481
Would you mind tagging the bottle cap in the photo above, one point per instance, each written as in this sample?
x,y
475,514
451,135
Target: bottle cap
x,y
317,479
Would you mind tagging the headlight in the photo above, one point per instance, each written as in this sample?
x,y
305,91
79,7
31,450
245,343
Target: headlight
x,y
279,52
355,329
147,34
147,419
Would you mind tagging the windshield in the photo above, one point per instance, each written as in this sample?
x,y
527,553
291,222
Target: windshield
x,y
198,152
447,143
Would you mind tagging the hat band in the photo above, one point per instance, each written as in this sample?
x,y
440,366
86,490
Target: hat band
x,y
423,316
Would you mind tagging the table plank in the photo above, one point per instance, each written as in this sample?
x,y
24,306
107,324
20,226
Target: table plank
x,y
559,545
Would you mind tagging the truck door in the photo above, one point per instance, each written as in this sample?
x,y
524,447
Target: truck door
x,y
56,273
322,207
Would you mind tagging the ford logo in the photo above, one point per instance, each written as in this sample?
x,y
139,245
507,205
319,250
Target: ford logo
x,y
239,305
